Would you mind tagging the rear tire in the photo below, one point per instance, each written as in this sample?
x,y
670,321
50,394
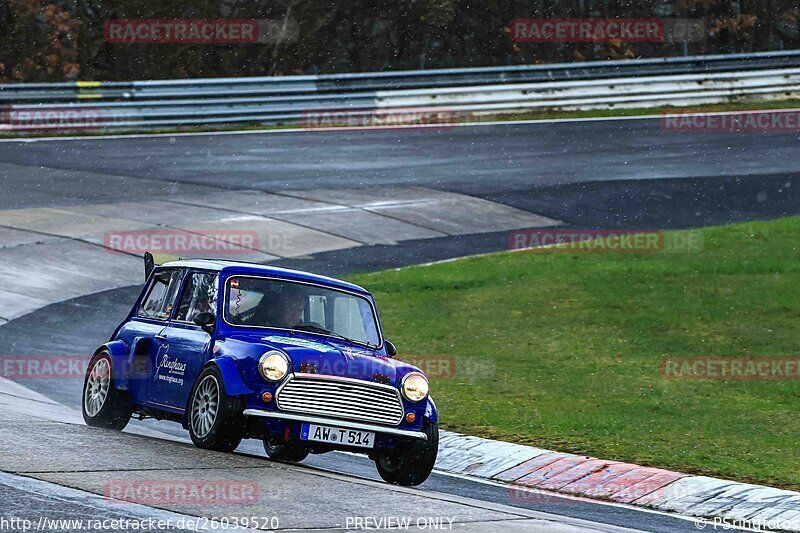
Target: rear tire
x,y
285,452
410,464
103,405
215,419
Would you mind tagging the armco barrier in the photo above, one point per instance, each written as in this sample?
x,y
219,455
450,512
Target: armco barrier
x,y
467,91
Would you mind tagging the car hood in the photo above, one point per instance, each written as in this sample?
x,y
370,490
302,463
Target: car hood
x,y
322,355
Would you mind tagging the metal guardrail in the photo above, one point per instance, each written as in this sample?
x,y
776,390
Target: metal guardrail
x,y
466,91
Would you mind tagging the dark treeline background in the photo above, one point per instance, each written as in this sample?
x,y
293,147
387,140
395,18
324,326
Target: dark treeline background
x,y
63,39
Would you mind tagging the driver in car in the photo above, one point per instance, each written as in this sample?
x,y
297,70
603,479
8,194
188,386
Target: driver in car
x,y
287,309
282,309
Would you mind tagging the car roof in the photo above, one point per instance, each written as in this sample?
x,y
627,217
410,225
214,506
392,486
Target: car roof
x,y
256,269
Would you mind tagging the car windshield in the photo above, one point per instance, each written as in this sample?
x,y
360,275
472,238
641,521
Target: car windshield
x,y
262,302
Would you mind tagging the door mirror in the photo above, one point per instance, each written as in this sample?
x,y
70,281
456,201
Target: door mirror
x,y
390,349
206,321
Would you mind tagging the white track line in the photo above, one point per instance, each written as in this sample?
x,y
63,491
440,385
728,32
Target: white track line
x,y
318,130
368,128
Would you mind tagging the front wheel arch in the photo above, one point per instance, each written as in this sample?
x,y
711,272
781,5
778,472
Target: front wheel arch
x,y
431,413
412,463
232,382
227,429
232,379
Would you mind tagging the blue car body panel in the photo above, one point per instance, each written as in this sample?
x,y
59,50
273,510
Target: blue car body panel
x,y
158,361
231,377
119,360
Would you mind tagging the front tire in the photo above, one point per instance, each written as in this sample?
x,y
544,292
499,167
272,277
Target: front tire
x,y
410,464
284,452
103,405
215,419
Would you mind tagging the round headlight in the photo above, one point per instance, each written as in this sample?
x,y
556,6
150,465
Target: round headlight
x,y
415,387
273,366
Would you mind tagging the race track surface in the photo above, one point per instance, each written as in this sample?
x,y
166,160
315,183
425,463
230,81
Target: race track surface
x,y
604,174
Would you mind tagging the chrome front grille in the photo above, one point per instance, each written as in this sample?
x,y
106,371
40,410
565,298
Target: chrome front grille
x,y
341,398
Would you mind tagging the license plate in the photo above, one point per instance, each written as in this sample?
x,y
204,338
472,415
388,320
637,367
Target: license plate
x,y
334,435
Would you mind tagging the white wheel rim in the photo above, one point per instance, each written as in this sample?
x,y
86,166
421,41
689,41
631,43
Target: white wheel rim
x,y
205,405
97,386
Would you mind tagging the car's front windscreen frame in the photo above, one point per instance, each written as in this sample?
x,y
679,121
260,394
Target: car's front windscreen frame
x,y
223,303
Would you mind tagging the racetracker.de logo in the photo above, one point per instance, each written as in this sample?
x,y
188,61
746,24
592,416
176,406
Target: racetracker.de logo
x,y
599,30
634,241
378,118
706,367
448,366
198,31
780,121
43,366
180,492
18,118
182,242
434,366
622,484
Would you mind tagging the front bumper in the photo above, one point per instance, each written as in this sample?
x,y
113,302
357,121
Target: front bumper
x,y
336,423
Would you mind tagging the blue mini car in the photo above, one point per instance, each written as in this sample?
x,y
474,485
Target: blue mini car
x,y
244,351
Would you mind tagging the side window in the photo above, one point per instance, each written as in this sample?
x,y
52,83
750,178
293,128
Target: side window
x,y
160,298
199,296
316,309
347,318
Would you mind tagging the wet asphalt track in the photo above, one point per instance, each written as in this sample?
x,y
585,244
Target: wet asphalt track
x,y
596,173
588,174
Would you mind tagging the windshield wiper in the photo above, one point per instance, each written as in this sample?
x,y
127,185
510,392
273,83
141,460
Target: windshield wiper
x,y
317,329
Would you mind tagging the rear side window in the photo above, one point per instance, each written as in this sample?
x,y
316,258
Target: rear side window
x,y
199,296
160,298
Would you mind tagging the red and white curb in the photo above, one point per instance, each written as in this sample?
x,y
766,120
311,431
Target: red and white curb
x,y
624,483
